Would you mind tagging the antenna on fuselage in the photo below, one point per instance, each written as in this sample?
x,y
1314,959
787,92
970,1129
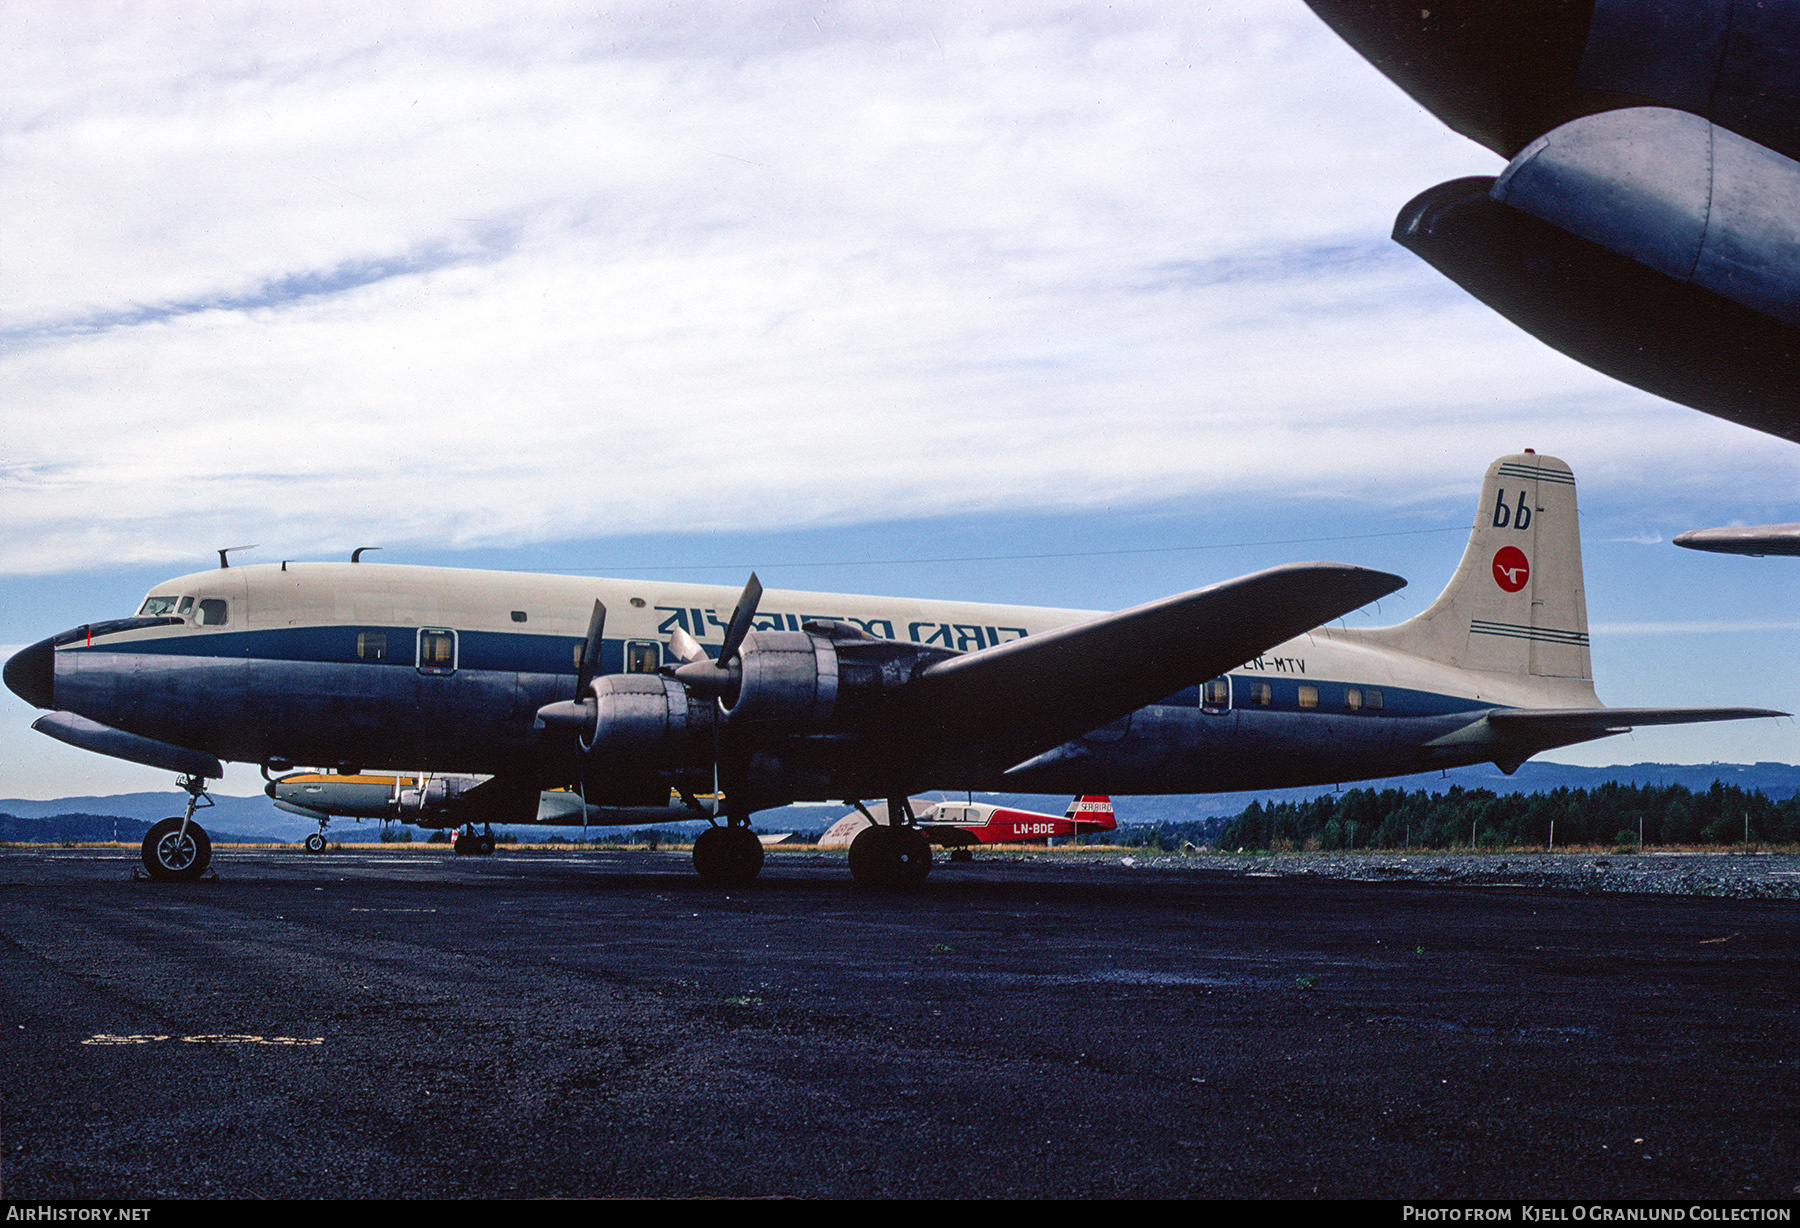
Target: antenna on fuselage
x,y
223,561
356,554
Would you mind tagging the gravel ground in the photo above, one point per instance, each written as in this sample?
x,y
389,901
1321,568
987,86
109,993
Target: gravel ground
x,y
1738,875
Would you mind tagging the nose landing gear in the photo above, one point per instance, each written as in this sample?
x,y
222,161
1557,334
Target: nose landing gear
x,y
177,850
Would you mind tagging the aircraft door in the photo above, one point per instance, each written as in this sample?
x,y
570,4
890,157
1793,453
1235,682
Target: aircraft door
x,y
437,651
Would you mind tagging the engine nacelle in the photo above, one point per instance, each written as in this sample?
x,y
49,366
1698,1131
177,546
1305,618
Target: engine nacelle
x,y
787,677
830,677
646,725
432,795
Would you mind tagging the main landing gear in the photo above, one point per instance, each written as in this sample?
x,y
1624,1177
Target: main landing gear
x,y
468,843
892,855
728,856
177,849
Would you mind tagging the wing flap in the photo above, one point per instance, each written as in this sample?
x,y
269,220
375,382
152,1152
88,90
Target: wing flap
x,y
1007,703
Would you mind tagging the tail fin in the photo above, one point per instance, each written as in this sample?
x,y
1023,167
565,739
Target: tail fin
x,y
1516,604
1091,814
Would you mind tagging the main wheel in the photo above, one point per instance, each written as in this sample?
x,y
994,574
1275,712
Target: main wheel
x,y
463,844
913,855
174,856
484,844
728,856
961,855
315,843
872,860
890,856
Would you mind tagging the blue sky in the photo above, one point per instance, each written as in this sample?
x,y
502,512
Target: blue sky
x,y
815,288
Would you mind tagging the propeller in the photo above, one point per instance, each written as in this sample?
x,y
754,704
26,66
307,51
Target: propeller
x,y
720,677
579,713
703,675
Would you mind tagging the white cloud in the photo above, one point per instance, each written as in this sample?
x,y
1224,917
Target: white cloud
x,y
450,275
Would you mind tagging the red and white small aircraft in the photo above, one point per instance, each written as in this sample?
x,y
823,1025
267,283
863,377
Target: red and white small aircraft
x,y
959,826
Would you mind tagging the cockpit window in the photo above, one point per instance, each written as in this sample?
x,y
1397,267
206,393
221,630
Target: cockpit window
x,y
212,612
187,603
158,605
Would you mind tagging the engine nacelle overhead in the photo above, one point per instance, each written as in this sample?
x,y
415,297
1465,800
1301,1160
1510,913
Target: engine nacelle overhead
x,y
1646,224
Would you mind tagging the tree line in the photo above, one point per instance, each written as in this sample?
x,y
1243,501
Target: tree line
x,y
1611,814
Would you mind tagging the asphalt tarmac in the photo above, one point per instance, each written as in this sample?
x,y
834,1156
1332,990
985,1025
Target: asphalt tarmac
x,y
393,1024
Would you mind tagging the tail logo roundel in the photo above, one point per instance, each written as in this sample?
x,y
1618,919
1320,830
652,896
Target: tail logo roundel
x,y
1511,568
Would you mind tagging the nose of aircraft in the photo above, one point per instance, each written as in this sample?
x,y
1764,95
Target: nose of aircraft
x,y
31,674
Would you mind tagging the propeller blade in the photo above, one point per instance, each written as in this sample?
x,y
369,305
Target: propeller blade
x,y
741,618
590,651
686,648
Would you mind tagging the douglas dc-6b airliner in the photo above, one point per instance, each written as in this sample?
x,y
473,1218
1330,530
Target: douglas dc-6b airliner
x,y
627,690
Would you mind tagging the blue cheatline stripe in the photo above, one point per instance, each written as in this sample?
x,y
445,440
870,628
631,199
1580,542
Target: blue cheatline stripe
x,y
504,651
529,653
1548,635
1538,475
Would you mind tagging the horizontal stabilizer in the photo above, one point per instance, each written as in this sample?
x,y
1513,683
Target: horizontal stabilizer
x,y
1548,727
1523,720
1010,702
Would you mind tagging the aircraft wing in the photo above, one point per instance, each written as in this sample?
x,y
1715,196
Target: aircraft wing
x,y
1004,704
1756,539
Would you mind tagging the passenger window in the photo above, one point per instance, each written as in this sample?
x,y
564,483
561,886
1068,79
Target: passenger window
x,y
371,645
1309,697
212,612
1353,699
437,652
1372,700
1217,694
518,616
642,657
1262,694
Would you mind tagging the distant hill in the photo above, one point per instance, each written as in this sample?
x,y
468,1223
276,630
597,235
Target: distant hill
x,y
83,828
251,816
256,817
93,829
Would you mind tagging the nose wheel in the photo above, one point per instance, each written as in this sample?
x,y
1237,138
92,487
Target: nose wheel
x,y
178,850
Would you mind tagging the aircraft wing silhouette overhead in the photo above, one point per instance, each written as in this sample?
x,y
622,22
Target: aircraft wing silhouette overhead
x,y
1013,701
1756,539
1648,224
